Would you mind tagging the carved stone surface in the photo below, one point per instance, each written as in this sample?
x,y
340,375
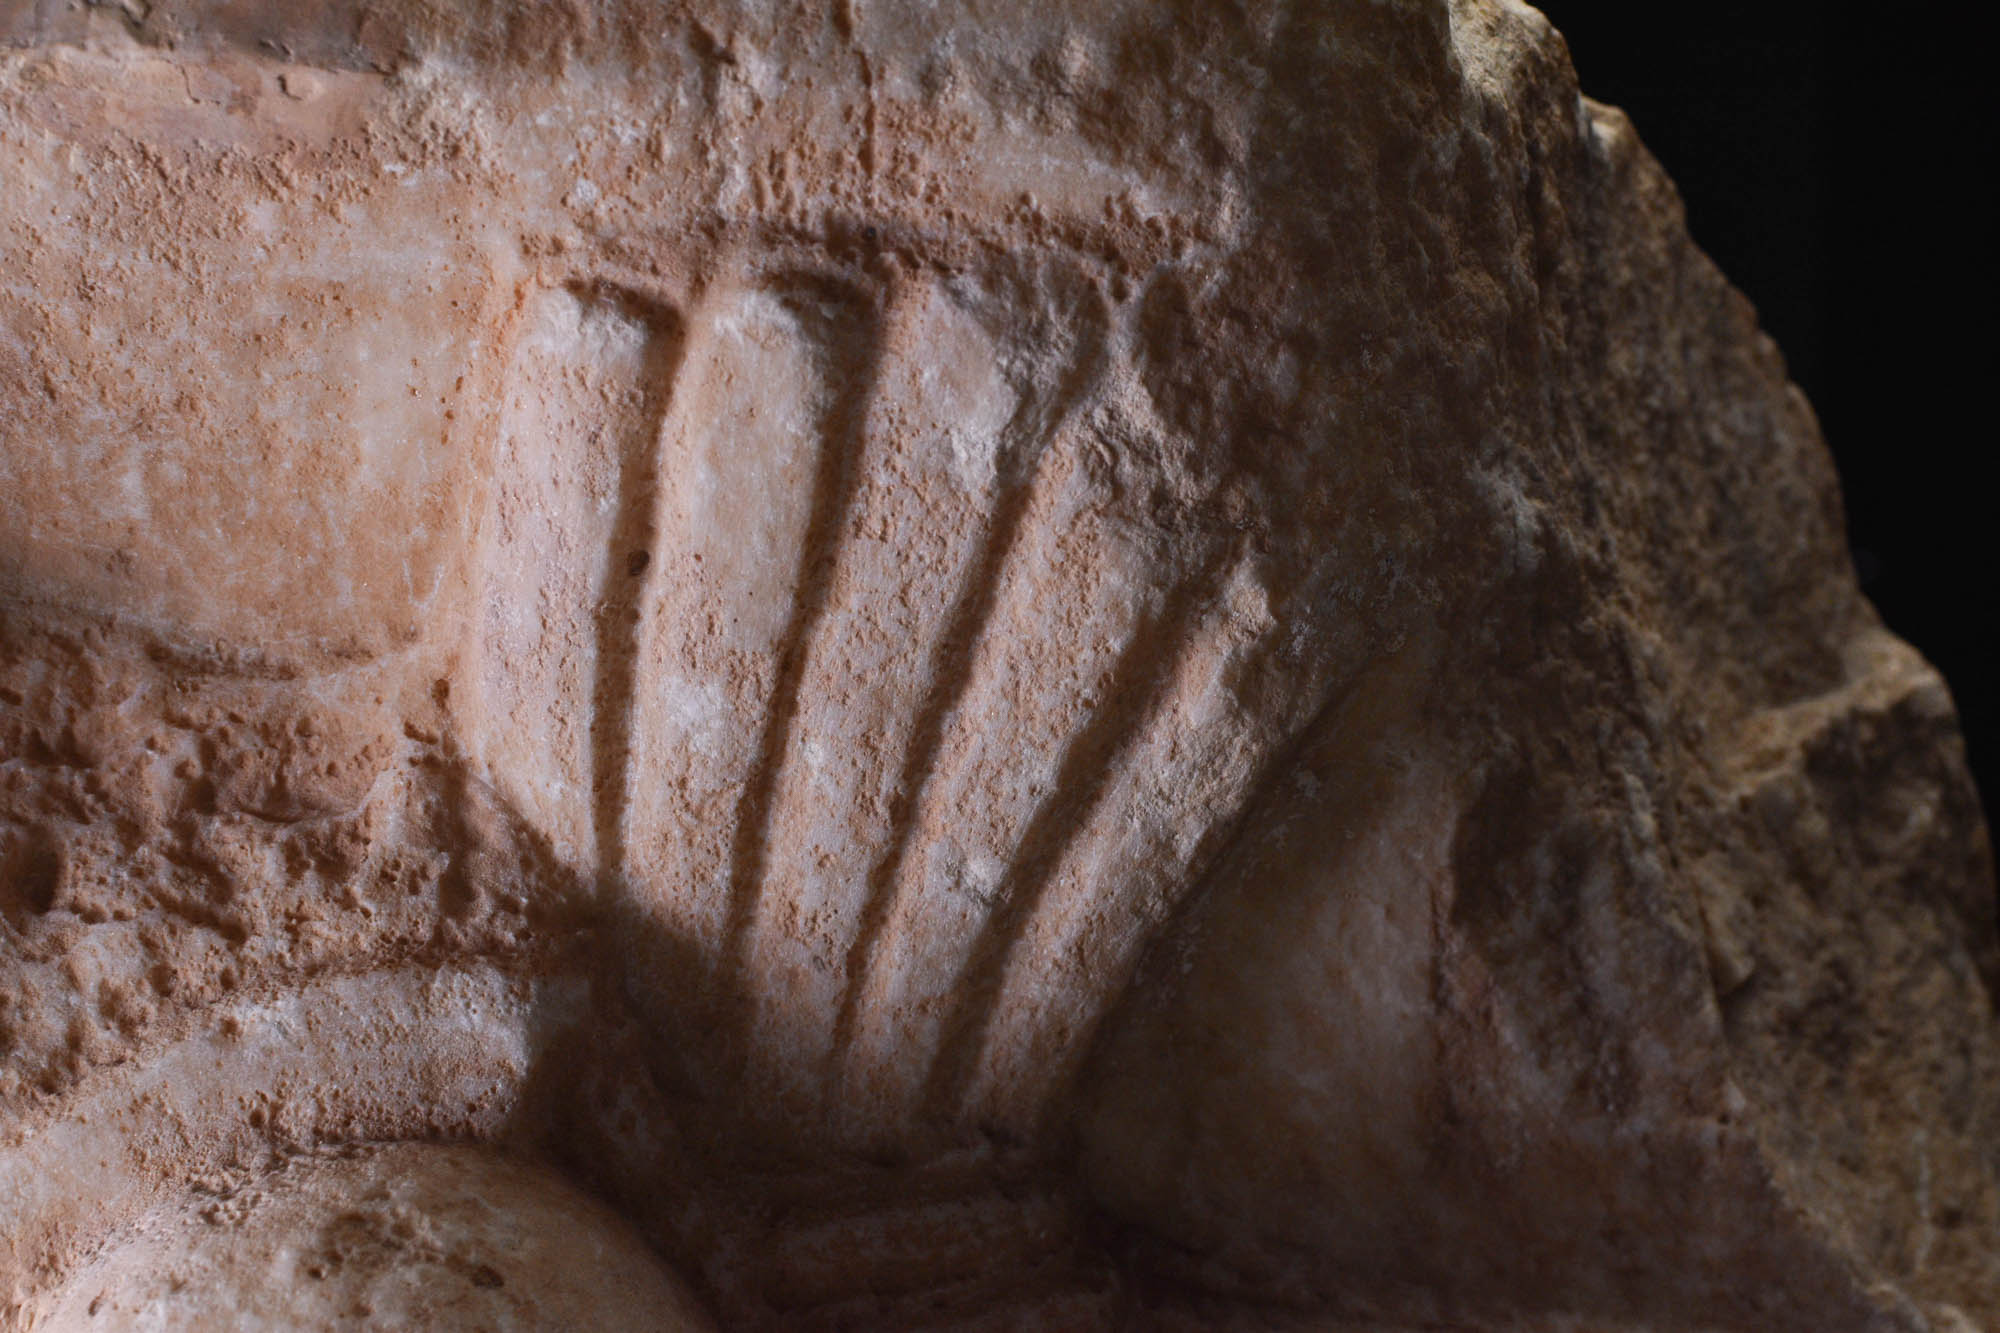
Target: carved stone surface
x,y
993,666
390,1236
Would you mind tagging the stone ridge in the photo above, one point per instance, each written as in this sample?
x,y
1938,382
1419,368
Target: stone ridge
x,y
1139,664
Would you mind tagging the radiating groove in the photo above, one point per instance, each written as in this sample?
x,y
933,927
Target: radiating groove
x,y
951,671
1013,1083
591,367
628,561
1278,766
1144,669
835,484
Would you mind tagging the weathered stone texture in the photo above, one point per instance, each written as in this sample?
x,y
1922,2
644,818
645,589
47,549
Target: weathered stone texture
x,y
1072,666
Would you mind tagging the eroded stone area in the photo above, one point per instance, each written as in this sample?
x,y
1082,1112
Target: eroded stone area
x,y
390,1236
995,669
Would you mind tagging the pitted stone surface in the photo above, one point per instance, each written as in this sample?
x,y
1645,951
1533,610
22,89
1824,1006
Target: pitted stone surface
x,y
994,667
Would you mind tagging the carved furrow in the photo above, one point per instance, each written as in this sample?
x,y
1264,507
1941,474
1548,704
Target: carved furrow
x,y
950,675
943,470
950,669
1226,715
931,467
634,531
854,364
1036,681
898,1248
1098,761
590,378
754,498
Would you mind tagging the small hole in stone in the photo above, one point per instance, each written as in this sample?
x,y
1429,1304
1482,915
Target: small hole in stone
x,y
38,873
635,563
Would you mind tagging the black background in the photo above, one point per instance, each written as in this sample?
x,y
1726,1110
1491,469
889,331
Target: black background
x,y
1836,163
